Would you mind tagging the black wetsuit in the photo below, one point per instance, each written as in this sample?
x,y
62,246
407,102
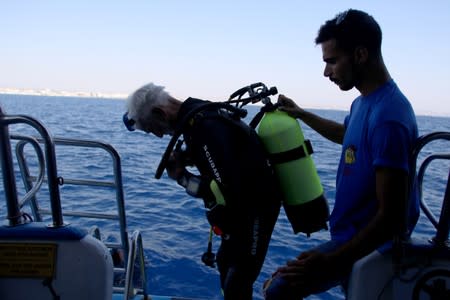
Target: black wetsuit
x,y
231,153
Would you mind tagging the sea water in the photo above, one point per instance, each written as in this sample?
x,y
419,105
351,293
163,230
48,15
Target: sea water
x,y
172,224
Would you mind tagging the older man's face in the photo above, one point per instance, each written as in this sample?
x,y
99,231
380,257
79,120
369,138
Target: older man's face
x,y
156,124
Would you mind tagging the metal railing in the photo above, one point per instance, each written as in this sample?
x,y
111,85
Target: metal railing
x,y
116,184
34,183
15,217
136,252
443,225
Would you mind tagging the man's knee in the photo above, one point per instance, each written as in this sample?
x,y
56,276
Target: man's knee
x,y
276,289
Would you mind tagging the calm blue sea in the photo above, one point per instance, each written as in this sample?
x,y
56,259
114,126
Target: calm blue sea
x,y
174,230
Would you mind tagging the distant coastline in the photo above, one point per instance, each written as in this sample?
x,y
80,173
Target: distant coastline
x,y
118,96
58,93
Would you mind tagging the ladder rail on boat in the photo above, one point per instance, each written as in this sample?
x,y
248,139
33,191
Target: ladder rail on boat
x,y
133,248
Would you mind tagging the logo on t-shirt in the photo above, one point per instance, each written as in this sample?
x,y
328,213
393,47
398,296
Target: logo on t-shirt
x,y
350,155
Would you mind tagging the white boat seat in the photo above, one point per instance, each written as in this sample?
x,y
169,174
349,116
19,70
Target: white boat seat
x,y
41,262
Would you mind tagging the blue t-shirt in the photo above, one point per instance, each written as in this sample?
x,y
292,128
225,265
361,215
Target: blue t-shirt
x,y
380,132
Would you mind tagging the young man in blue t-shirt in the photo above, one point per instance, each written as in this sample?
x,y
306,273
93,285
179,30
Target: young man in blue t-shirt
x,y
372,179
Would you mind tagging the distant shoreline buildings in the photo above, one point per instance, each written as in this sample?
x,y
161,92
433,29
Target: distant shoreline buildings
x,y
57,93
117,96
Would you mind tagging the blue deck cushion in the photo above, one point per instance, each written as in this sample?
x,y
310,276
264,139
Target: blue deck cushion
x,y
41,231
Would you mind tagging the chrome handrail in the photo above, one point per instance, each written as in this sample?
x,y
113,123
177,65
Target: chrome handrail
x,y
14,214
117,183
443,225
135,249
420,177
32,189
130,252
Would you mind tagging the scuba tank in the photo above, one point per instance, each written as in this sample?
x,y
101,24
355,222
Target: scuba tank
x,y
290,155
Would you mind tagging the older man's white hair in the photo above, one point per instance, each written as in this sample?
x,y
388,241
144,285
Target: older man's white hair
x,y
141,102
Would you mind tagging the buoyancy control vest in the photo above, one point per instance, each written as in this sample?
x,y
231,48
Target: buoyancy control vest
x,y
209,189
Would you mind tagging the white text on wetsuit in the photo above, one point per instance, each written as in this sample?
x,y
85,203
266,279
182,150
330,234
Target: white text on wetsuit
x,y
211,163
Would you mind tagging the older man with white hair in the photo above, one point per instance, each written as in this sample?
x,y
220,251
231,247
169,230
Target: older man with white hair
x,y
236,180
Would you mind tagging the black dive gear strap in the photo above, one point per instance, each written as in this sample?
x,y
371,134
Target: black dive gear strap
x,y
238,112
293,154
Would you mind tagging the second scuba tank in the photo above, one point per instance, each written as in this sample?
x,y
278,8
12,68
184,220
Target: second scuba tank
x,y
290,155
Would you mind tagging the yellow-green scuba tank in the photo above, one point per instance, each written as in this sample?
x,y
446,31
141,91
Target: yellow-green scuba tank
x,y
290,155
303,199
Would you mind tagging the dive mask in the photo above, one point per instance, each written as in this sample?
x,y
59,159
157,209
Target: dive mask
x,y
129,123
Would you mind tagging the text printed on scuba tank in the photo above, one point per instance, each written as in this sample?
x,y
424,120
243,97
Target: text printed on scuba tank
x,y
212,164
255,236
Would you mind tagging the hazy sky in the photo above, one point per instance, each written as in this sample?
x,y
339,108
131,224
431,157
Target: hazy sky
x,y
209,49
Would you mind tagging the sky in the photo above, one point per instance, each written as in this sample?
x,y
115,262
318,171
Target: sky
x,y
209,49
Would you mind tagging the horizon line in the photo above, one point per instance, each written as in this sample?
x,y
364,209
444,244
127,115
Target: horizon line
x,y
122,97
